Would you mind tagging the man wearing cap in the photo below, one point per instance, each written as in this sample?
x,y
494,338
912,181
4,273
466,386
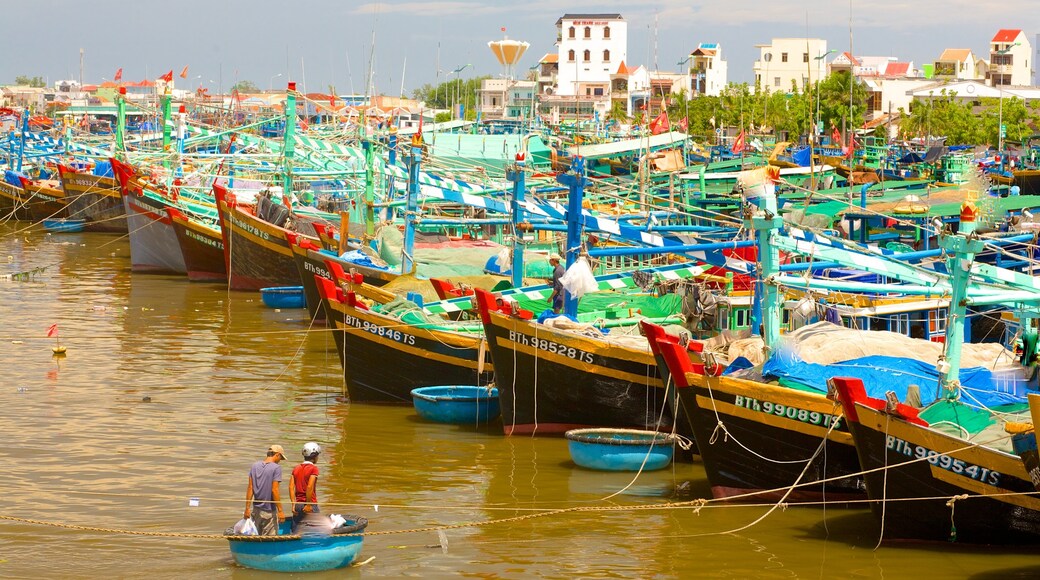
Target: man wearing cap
x,y
557,292
263,500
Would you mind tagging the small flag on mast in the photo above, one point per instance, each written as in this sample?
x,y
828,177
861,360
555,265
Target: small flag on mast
x,y
52,331
119,75
184,72
168,77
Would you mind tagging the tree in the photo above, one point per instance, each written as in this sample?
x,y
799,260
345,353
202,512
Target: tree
x,y
245,87
36,82
617,112
835,100
450,92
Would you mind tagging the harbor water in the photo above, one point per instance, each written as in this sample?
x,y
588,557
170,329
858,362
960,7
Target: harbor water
x,y
170,390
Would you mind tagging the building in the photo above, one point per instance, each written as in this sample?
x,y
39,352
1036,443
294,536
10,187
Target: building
x,y
790,63
590,48
707,70
955,63
547,70
1036,59
1009,54
972,90
506,99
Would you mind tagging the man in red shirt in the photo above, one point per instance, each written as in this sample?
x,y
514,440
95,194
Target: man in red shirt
x,y
304,482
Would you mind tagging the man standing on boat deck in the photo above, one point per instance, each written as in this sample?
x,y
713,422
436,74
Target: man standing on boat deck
x,y
557,285
263,500
304,483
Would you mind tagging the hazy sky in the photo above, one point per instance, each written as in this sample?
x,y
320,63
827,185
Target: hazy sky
x,y
318,43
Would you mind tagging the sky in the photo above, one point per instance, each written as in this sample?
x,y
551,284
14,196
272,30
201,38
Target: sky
x,y
321,42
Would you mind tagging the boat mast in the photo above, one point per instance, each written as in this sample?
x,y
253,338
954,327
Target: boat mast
x,y
961,249
575,182
167,127
411,205
517,176
764,220
121,120
290,141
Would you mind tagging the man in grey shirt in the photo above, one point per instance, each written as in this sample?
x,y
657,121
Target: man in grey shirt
x,y
263,500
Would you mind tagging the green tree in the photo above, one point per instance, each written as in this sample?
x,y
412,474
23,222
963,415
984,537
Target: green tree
x,y
245,87
618,112
450,92
840,103
23,80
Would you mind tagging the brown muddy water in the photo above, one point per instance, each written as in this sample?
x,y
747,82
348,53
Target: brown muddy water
x,y
170,390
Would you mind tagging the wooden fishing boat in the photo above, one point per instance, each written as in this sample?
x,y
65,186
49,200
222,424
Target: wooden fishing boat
x,y
384,358
46,199
1023,440
202,247
95,198
312,260
13,201
758,440
153,241
288,552
551,381
257,253
931,485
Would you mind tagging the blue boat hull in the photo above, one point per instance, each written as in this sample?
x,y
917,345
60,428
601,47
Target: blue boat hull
x,y
620,450
283,297
308,553
64,225
458,404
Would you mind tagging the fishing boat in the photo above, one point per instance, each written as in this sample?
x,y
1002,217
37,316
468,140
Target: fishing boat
x,y
153,242
94,195
46,199
201,244
288,552
257,252
385,357
13,200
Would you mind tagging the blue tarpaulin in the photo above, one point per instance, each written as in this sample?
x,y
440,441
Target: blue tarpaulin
x,y
103,169
361,259
803,157
887,373
11,177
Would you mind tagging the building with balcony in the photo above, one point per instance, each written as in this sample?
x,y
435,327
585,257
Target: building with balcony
x,y
546,72
590,48
1009,54
956,63
707,70
506,99
790,64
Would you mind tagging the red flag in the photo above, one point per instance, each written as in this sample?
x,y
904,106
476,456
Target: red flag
x,y
660,124
119,75
52,331
168,77
683,125
847,151
503,29
835,136
184,72
738,143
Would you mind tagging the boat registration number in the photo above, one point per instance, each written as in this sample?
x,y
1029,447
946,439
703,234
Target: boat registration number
x,y
803,415
550,346
943,461
395,335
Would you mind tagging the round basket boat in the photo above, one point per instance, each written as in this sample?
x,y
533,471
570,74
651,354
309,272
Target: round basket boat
x,y
283,297
289,552
620,449
64,225
456,404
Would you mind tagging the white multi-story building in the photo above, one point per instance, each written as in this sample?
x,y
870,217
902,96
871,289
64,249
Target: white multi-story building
x,y
591,47
506,98
1009,54
707,70
788,63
